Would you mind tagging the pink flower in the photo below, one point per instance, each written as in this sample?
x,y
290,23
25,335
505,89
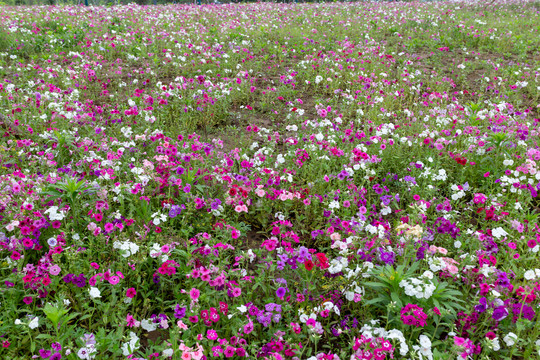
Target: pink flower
x,y
197,355
131,292
131,322
181,325
113,280
229,351
109,227
25,230
27,243
479,198
236,292
54,270
459,341
194,294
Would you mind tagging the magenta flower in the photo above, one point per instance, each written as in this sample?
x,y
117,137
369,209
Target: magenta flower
x,y
194,294
27,300
131,292
109,227
229,351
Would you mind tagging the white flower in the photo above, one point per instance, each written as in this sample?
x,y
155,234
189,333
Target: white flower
x,y
94,292
499,232
34,323
18,322
334,204
242,308
425,342
510,339
83,353
529,275
130,347
168,352
508,162
495,344
148,326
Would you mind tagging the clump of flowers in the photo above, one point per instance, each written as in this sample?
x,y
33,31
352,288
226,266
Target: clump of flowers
x,y
413,315
420,288
372,348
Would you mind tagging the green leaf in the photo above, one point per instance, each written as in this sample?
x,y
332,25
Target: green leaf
x,y
396,299
377,300
375,285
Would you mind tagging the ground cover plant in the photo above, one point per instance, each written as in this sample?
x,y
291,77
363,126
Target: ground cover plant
x,y
270,181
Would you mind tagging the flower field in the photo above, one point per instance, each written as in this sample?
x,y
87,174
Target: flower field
x,y
270,181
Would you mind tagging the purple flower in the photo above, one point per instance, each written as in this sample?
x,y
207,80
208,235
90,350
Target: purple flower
x,y
56,356
179,312
215,204
388,257
483,305
280,292
525,310
410,179
89,339
44,353
500,313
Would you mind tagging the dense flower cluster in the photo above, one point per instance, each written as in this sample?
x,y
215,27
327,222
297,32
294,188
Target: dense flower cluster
x,y
413,315
275,181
